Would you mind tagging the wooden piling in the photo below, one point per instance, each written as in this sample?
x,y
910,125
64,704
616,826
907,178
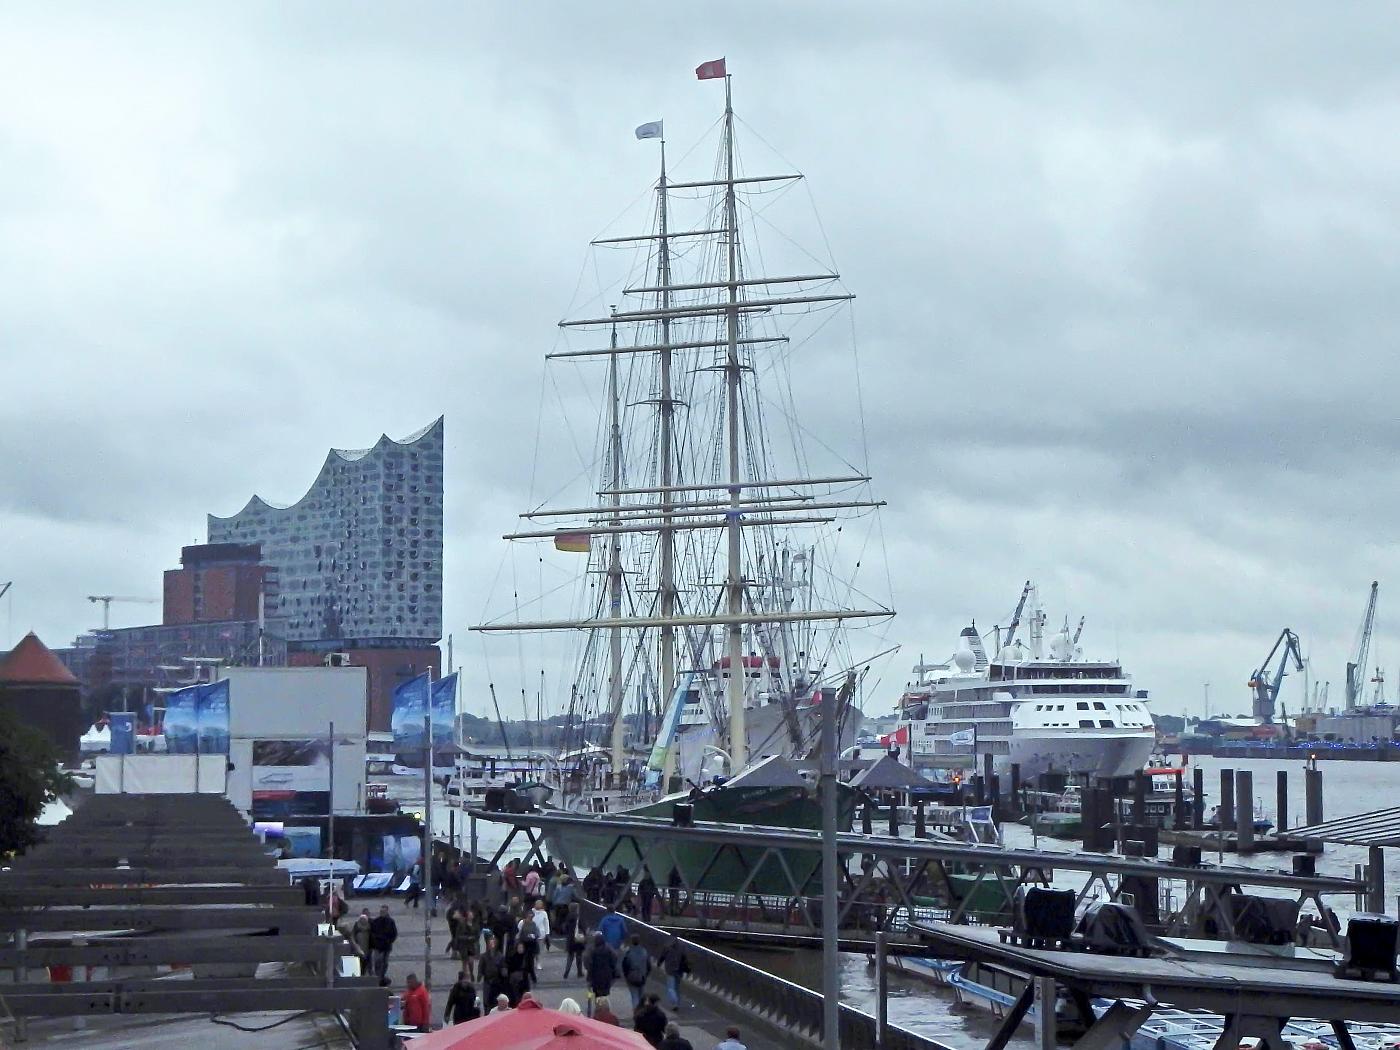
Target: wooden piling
x,y
1244,810
1226,813
1281,824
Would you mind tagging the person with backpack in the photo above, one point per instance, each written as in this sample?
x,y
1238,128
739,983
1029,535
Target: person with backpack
x,y
636,968
673,1040
575,940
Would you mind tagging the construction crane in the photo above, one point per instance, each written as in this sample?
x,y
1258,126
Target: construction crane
x,y
1356,666
1077,632
1265,683
108,599
1015,618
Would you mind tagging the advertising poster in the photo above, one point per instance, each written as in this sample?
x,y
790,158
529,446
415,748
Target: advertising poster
x,y
123,726
212,712
182,721
291,778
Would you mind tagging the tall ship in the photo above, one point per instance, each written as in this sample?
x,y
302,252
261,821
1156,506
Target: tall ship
x,y
1036,703
717,561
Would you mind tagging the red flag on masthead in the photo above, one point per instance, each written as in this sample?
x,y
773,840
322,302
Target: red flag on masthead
x,y
712,70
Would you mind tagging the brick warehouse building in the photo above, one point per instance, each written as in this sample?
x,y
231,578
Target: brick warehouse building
x,y
357,562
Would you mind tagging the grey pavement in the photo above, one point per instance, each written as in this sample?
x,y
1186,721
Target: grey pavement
x,y
698,1019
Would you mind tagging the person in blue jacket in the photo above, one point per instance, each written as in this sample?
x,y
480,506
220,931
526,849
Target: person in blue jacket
x,y
613,927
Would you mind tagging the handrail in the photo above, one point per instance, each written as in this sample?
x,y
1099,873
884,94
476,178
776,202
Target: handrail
x,y
772,998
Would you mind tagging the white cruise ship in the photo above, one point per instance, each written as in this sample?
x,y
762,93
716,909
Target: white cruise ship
x,y
1042,707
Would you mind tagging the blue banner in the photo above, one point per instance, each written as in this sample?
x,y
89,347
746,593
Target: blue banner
x,y
444,719
123,726
182,721
212,710
406,722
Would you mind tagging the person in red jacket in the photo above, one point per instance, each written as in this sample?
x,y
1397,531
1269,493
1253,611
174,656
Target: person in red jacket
x,y
417,1008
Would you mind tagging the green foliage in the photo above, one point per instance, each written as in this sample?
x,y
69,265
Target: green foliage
x,y
30,778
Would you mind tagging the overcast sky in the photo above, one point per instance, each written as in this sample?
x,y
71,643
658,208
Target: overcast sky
x,y
1127,281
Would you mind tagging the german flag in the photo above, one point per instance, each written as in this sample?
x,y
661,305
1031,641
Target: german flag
x,y
574,542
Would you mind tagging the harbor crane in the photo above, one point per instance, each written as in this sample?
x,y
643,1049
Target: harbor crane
x,y
1265,683
108,599
1015,619
1356,666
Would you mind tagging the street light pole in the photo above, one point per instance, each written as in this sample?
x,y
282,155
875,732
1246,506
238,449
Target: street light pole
x,y
330,829
428,832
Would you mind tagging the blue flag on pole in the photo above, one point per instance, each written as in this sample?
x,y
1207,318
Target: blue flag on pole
x,y
444,719
212,712
182,721
406,722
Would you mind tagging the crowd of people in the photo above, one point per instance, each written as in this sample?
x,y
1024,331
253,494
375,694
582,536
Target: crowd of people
x,y
498,947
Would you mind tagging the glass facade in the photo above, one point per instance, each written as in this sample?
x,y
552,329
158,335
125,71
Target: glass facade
x,y
359,557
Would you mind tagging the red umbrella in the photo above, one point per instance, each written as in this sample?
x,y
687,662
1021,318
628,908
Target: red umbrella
x,y
531,1027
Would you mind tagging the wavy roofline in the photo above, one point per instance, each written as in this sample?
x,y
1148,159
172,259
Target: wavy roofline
x,y
345,455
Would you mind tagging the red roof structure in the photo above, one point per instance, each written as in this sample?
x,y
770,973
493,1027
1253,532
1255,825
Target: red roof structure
x,y
31,663
532,1027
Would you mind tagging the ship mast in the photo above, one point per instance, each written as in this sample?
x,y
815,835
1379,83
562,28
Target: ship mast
x,y
615,573
738,677
667,582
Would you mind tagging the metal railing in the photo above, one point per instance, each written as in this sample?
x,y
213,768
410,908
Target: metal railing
x,y
782,1003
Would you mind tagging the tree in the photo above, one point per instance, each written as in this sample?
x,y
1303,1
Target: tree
x,y
30,779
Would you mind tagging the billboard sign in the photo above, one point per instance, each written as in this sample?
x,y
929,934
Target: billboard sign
x,y
411,707
291,778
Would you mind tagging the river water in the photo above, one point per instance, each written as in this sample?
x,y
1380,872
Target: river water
x,y
915,1003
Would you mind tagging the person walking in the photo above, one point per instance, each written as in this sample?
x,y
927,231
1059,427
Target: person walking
x,y
383,932
636,968
540,918
600,963
415,885
613,927
731,1040
650,1020
492,971
358,936
673,1040
519,973
461,1001
646,895
575,940
562,896
417,1007
675,966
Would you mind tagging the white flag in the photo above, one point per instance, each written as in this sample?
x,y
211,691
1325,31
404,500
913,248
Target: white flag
x,y
966,738
650,131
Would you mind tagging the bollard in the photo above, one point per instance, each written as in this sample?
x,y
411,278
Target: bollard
x,y
1198,797
1375,880
1282,823
1244,811
1225,816
1312,794
1089,819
